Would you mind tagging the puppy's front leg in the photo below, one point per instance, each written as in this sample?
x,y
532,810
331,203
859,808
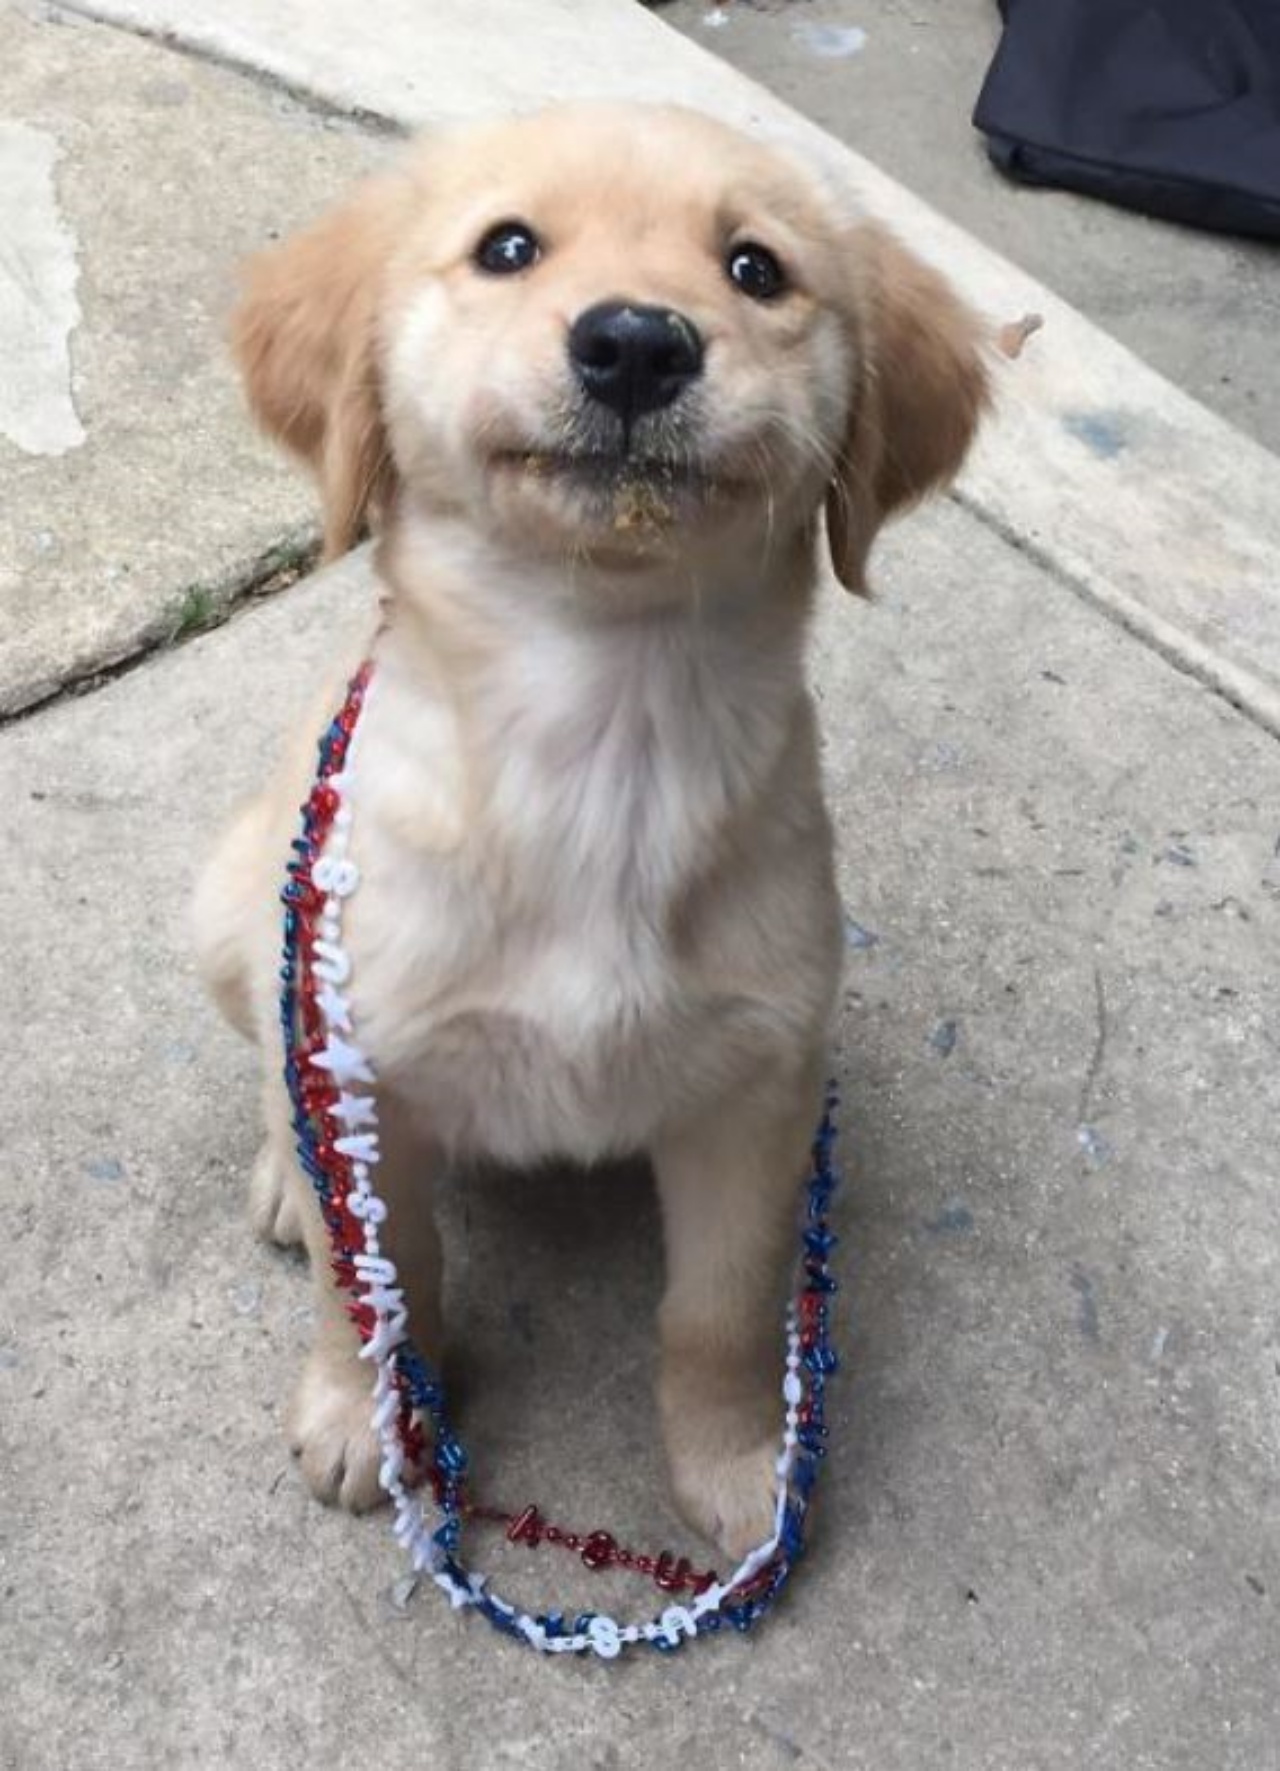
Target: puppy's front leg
x,y
729,1186
330,1420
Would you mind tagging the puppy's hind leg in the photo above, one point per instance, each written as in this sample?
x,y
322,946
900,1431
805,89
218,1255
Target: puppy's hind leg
x,y
233,946
226,914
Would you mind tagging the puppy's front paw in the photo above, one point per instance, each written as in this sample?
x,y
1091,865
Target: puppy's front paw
x,y
728,1495
274,1208
331,1430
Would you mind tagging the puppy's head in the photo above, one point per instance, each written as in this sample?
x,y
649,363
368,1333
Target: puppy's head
x,y
623,335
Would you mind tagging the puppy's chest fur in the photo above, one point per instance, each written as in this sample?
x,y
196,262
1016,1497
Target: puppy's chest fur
x,y
540,965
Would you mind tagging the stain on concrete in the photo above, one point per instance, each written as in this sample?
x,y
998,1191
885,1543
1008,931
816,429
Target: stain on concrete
x,y
1176,855
943,1038
38,306
831,42
1087,1310
942,755
246,1298
1096,1148
780,1735
1090,1140
1104,433
857,937
105,1168
1232,907
955,1219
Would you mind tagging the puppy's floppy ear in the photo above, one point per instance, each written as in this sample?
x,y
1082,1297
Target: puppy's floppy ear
x,y
920,391
305,335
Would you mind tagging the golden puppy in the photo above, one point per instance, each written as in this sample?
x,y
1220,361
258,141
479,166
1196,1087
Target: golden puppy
x,y
593,376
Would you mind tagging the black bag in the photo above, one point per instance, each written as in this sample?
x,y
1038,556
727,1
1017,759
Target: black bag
x,y
1168,106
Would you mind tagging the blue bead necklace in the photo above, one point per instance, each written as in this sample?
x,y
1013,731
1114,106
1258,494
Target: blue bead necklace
x,y
330,1083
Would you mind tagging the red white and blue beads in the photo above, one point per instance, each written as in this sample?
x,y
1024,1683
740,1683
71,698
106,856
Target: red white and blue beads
x,y
335,1120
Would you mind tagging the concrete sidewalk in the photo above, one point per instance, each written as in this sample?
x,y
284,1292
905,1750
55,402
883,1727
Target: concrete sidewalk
x,y
1048,1537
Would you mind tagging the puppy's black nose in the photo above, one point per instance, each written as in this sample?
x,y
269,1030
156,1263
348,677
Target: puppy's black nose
x,y
634,359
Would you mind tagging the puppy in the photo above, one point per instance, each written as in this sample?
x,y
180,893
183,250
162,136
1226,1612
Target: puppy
x,y
592,376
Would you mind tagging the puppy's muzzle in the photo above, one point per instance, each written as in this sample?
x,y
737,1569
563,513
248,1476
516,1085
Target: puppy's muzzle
x,y
634,359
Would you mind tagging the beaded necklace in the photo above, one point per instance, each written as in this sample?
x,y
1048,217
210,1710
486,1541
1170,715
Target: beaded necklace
x,y
335,1121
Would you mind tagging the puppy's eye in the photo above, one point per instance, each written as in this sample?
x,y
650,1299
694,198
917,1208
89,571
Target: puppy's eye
x,y
756,271
509,247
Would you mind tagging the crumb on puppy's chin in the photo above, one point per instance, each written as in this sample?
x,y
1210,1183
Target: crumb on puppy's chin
x,y
638,504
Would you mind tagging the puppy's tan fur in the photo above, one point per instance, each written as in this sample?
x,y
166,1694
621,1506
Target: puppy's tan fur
x,y
597,912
